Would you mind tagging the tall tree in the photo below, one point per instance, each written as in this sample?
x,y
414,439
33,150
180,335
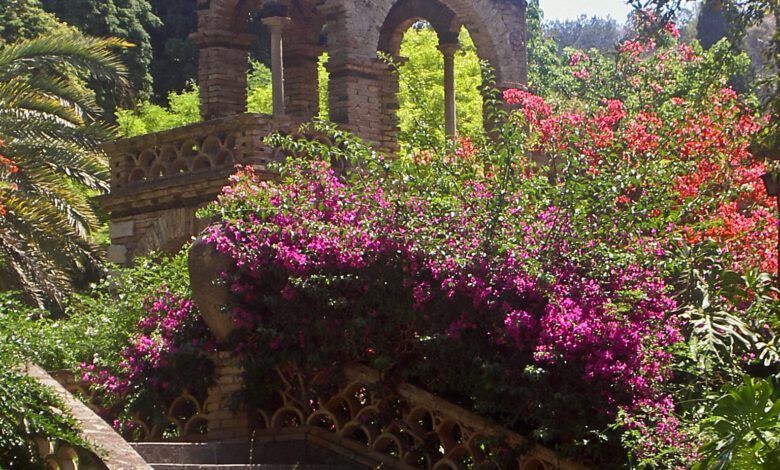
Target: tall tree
x,y
25,19
51,139
585,33
126,19
741,15
175,61
712,25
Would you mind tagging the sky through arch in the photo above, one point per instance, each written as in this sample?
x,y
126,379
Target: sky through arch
x,y
570,9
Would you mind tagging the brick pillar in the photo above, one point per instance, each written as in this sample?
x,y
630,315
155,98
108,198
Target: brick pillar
x,y
363,100
301,81
224,422
222,72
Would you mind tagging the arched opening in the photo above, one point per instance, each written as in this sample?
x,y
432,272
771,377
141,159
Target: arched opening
x,y
262,57
439,78
422,82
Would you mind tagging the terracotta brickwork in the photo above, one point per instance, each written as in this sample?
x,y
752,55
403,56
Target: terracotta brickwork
x,y
160,180
363,96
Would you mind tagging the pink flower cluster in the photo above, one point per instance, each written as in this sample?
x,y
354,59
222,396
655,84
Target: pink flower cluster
x,y
310,252
170,326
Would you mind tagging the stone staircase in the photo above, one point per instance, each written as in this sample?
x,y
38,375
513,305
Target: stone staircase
x,y
351,427
265,454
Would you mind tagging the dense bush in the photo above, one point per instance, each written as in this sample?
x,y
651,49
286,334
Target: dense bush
x,y
28,409
135,313
592,277
519,286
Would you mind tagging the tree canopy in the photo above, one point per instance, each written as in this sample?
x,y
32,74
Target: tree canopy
x,y
131,20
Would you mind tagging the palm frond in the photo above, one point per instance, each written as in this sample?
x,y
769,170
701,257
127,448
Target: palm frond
x,y
84,54
49,129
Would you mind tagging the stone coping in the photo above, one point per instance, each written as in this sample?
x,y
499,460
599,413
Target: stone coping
x,y
114,451
196,131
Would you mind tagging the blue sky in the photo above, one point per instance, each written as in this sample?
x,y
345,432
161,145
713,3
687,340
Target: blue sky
x,y
569,9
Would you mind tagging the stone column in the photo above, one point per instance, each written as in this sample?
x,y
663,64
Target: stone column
x,y
448,50
276,25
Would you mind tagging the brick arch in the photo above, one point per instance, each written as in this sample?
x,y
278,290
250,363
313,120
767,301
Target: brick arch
x,y
497,27
405,13
170,232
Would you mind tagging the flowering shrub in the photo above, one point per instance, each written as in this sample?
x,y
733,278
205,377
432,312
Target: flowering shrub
x,y
520,277
171,338
333,270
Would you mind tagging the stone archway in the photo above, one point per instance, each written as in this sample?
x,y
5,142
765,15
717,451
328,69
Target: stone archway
x,y
172,230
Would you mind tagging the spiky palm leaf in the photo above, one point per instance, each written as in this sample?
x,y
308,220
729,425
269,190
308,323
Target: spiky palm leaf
x,y
50,131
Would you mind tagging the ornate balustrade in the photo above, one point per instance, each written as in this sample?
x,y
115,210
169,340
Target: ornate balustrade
x,y
183,418
202,148
415,427
407,426
108,451
158,181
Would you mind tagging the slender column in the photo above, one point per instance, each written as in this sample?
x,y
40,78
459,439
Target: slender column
x,y
276,25
448,50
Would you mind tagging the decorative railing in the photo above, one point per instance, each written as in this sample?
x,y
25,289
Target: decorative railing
x,y
202,148
108,451
414,427
59,456
183,418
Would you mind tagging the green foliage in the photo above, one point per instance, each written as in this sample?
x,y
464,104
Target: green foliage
x,y
744,428
126,19
183,108
323,87
97,324
48,122
95,329
720,335
421,95
25,19
175,59
546,66
260,92
585,33
29,410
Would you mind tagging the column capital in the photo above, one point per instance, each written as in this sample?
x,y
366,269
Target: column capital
x,y
276,23
448,48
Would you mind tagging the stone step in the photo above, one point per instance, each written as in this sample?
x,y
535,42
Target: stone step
x,y
195,466
194,453
273,455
